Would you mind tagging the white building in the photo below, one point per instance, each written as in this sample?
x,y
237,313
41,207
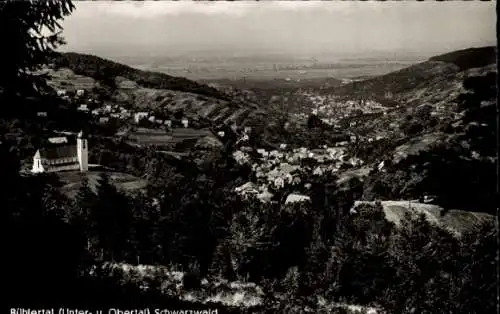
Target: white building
x,y
318,171
297,198
185,122
62,157
103,120
138,116
279,183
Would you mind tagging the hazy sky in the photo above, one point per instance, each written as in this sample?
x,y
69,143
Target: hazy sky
x,y
163,28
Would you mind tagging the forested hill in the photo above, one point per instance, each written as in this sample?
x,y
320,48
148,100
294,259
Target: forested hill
x,y
469,58
104,70
144,90
437,69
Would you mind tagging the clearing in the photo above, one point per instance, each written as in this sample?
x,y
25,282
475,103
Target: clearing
x,y
72,180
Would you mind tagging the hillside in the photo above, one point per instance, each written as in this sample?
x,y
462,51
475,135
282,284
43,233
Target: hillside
x,y
104,70
440,138
133,88
469,58
456,221
436,69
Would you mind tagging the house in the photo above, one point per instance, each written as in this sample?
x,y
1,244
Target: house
x,y
283,146
80,92
248,188
83,107
265,196
168,123
244,138
221,133
318,171
273,154
61,92
151,119
108,108
138,116
125,114
296,180
279,182
185,122
42,114
103,120
241,157
62,157
297,198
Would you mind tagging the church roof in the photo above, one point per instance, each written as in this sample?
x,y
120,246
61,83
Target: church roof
x,y
61,151
58,140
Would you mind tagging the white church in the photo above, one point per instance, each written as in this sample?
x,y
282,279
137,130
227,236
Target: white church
x,y
62,157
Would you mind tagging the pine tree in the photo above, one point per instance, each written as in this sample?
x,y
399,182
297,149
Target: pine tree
x,y
112,216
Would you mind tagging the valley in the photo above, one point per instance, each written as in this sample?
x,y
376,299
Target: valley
x,y
257,184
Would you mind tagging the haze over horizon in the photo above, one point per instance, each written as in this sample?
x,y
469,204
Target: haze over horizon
x,y
135,29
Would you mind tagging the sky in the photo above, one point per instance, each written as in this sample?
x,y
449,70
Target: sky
x,y
290,27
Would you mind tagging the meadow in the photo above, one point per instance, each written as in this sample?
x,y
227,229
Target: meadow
x,y
144,136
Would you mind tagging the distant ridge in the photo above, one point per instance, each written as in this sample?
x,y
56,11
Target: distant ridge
x,y
103,70
469,58
435,69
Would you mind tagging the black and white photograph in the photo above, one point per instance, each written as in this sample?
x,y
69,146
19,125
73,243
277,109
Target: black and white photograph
x,y
194,157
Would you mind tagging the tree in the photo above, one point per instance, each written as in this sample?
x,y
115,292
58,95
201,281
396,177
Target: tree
x,y
31,31
314,122
425,272
83,202
112,217
480,112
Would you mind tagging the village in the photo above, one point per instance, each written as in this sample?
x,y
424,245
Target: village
x,y
107,113
285,167
333,110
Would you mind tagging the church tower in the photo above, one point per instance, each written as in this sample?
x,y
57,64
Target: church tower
x,y
82,151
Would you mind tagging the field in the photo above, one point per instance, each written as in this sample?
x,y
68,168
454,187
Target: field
x,y
456,221
145,136
72,181
215,72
